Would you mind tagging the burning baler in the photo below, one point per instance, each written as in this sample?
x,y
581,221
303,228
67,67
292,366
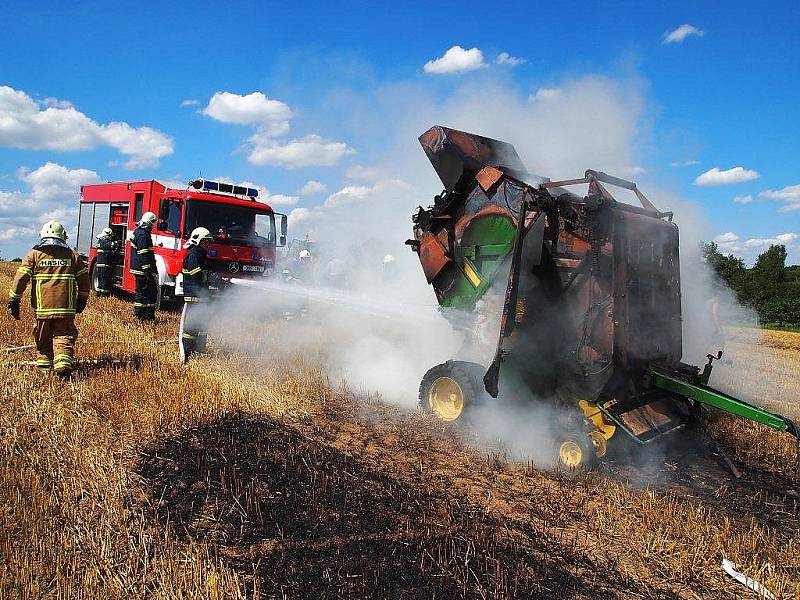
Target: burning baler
x,y
591,310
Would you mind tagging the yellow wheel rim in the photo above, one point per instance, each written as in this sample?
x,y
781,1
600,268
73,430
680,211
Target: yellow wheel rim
x,y
570,454
446,399
600,443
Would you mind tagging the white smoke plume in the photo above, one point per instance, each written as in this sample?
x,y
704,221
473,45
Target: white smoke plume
x,y
595,122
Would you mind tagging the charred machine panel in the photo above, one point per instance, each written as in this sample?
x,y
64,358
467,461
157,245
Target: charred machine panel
x,y
590,295
587,271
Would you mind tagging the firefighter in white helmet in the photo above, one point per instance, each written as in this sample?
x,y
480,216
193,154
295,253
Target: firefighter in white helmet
x,y
60,290
305,268
194,332
143,268
388,266
107,249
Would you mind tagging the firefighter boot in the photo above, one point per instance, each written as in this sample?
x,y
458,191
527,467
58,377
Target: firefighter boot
x,y
44,345
188,342
64,334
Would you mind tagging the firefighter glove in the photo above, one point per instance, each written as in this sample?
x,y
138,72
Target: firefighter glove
x,y
81,304
13,308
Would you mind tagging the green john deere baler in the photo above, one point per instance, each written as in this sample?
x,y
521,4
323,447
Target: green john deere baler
x,y
591,316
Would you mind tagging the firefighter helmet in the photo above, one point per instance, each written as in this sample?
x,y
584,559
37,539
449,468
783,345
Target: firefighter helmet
x,y
106,233
198,235
148,219
53,229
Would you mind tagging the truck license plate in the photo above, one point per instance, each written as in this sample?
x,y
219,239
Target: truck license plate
x,y
256,268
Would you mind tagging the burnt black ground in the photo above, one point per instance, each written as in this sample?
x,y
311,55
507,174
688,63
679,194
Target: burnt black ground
x,y
302,519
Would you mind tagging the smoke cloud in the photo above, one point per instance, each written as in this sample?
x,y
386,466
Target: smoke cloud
x,y
375,324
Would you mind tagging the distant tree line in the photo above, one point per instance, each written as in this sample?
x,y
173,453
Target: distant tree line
x,y
770,287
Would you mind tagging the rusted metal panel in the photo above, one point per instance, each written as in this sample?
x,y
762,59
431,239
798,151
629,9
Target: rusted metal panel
x,y
456,154
432,256
488,176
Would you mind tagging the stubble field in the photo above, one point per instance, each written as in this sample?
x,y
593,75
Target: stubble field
x,y
253,475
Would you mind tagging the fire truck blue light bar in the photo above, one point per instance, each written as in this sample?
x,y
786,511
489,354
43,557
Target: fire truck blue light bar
x,y
228,188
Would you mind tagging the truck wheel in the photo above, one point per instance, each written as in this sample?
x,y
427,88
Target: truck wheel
x,y
451,390
95,279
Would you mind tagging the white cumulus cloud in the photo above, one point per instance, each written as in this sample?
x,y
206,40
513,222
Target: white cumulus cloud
x,y
789,196
281,200
362,173
504,58
684,163
456,60
750,248
369,199
544,93
717,176
190,102
308,151
271,116
57,125
350,194
726,238
312,188
271,121
743,199
52,193
680,33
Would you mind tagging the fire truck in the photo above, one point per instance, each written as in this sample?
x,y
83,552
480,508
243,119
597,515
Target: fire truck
x,y
244,229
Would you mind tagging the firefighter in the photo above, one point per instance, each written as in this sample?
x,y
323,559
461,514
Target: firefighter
x,y
143,268
60,290
305,267
194,331
107,249
389,266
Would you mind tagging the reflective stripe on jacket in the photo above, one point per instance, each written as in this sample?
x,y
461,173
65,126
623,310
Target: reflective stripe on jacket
x,y
195,275
59,278
106,251
143,261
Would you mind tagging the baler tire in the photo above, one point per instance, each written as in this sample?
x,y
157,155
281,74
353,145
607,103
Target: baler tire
x,y
466,376
574,452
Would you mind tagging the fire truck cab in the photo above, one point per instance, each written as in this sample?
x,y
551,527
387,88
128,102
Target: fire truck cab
x,y
244,229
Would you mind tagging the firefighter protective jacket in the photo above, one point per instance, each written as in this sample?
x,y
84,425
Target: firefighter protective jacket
x,y
195,275
59,277
143,261
106,251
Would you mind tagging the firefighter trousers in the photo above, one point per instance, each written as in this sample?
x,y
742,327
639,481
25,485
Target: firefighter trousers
x,y
55,341
105,279
144,301
194,334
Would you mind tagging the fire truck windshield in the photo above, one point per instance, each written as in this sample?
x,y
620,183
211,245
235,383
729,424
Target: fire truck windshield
x,y
231,224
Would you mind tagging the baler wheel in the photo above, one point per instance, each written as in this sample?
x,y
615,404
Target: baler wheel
x,y
451,389
600,443
575,451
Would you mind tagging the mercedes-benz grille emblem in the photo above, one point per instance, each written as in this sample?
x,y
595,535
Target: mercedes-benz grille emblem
x,y
233,267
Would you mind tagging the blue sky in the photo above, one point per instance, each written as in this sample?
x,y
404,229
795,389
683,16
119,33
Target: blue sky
x,y
342,90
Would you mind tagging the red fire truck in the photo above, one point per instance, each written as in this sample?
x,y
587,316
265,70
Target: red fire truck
x,y
244,229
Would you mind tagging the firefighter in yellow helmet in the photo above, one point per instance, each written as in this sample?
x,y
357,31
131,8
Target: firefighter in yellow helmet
x,y
60,290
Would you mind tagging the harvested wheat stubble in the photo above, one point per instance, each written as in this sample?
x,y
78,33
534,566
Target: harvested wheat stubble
x,y
230,479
